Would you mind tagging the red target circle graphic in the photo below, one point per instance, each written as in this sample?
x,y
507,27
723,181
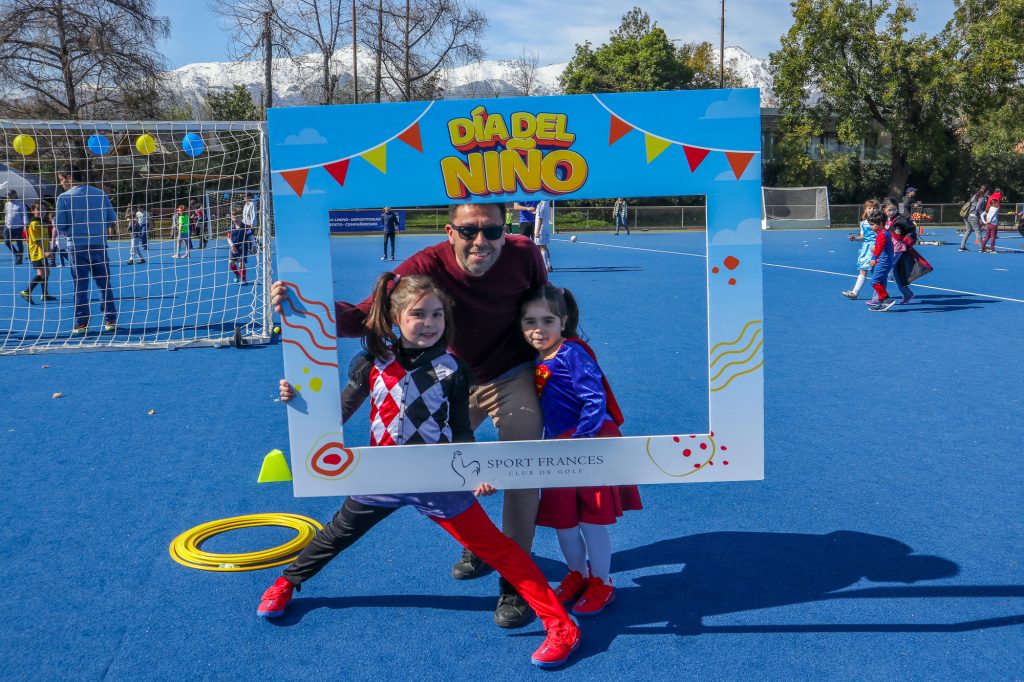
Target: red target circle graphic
x,y
331,460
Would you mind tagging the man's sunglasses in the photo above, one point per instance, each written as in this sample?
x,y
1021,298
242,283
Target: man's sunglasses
x,y
469,232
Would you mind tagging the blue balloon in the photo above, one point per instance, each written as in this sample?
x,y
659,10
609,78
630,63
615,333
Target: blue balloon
x,y
98,144
227,195
192,144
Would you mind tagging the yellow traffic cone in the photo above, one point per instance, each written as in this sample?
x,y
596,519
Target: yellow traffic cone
x,y
275,468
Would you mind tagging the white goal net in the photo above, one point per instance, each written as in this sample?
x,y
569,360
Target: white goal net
x,y
156,297
795,207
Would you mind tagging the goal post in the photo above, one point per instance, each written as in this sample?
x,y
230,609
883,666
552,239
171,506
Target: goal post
x,y
152,172
795,207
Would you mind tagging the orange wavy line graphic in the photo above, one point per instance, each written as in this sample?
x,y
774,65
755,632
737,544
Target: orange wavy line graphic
x,y
308,331
306,353
309,302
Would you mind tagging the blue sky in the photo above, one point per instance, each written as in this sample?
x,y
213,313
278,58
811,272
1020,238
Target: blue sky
x,y
552,29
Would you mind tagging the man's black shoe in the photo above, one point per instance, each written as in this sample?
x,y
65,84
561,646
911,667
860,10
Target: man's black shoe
x,y
468,567
512,610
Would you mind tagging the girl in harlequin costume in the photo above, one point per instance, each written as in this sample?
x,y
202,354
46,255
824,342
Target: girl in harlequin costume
x,y
867,236
400,374
576,402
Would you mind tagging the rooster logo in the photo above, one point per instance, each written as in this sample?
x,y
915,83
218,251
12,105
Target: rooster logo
x,y
459,466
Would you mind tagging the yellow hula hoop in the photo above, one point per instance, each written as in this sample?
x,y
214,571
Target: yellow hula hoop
x,y
186,548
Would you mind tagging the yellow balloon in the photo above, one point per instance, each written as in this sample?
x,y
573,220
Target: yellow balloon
x,y
145,144
24,144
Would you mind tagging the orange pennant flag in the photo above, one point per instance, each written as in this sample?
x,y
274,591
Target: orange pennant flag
x,y
618,129
338,170
411,136
378,158
296,179
739,161
694,156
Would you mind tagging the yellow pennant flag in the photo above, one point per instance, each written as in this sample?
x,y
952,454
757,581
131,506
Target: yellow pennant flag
x,y
378,158
655,146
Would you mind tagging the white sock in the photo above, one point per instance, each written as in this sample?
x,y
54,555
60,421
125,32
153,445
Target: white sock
x,y
547,258
573,549
599,550
861,278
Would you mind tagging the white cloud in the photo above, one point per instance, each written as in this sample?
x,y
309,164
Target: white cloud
x,y
305,136
747,232
289,264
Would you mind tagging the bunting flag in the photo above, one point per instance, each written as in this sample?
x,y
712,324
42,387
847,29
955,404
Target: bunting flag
x,y
618,129
338,170
655,146
296,179
694,156
411,136
378,158
738,161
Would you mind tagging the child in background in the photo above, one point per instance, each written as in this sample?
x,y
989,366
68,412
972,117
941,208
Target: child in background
x,y
576,402
509,215
990,222
37,253
238,246
135,234
542,230
882,261
864,256
58,243
436,411
182,242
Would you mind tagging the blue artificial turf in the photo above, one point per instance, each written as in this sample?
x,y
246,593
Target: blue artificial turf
x,y
884,542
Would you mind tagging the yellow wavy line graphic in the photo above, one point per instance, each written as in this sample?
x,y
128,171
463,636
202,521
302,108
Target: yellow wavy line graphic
x,y
734,352
744,361
739,374
734,341
711,456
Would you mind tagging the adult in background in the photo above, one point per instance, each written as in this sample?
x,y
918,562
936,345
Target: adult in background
x,y
907,203
544,227
84,214
390,223
486,273
620,211
527,217
973,218
15,223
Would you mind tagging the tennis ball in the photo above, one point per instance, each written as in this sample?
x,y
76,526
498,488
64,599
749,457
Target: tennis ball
x,y
572,238
277,330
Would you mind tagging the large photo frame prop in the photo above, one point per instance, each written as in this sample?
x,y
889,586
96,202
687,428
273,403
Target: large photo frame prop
x,y
702,142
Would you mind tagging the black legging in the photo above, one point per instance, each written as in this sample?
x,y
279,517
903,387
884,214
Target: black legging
x,y
353,521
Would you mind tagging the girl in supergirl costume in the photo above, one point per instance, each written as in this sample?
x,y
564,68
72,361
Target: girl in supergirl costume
x,y
882,261
401,374
576,402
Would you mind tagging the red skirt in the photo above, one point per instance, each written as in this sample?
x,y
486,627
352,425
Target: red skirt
x,y
601,505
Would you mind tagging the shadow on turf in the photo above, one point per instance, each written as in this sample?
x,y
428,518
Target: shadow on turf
x,y
942,303
734,572
603,268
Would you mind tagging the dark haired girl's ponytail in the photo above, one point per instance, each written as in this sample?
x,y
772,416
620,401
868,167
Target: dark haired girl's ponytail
x,y
379,336
572,314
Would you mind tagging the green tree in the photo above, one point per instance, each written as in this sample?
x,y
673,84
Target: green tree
x,y
639,57
852,64
232,105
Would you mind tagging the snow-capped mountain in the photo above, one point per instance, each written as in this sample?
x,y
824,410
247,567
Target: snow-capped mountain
x,y
295,80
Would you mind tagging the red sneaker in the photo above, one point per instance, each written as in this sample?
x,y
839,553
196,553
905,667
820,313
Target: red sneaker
x,y
571,587
275,600
597,596
557,647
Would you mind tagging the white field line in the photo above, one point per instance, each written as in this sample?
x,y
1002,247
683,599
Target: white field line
x,y
793,267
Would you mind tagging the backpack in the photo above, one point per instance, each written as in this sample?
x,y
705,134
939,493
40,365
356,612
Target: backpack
x,y
965,209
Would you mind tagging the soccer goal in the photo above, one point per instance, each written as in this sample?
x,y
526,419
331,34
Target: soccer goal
x,y
180,292
795,207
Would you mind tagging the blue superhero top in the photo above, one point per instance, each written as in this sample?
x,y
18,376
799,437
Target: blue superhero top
x,y
575,398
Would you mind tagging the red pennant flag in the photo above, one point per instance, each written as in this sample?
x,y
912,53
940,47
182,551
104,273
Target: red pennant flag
x,y
296,179
618,129
338,170
739,161
411,136
694,156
